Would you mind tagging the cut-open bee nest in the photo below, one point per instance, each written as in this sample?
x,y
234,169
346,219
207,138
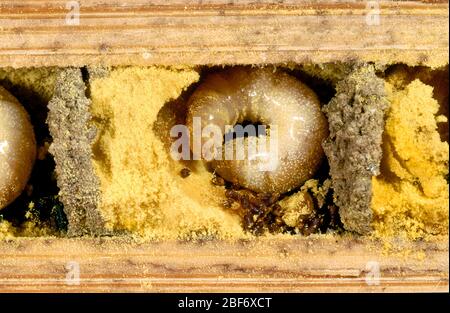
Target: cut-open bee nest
x,y
104,164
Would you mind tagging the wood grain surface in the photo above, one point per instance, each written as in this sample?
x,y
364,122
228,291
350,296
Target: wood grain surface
x,y
309,264
42,33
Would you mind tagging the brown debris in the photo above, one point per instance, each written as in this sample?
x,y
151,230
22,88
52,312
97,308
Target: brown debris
x,y
185,172
262,212
218,181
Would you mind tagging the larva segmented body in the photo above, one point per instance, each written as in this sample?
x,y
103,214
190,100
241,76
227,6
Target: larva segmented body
x,y
269,98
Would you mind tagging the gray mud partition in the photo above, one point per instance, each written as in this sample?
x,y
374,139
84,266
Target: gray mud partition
x,y
68,121
356,123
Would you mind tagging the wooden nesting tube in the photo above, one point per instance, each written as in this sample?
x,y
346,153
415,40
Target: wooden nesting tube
x,y
308,264
36,33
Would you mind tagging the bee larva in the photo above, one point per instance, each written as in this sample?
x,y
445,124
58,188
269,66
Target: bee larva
x,y
268,98
17,148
